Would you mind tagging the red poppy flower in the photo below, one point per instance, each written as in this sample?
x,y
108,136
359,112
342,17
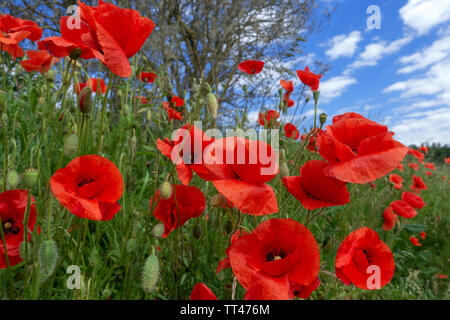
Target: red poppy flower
x,y
413,165
418,184
277,253
417,154
400,167
287,85
415,241
202,292
95,84
315,190
423,235
39,61
310,79
13,204
403,209
176,102
424,149
239,169
225,263
89,187
389,218
190,203
396,180
269,119
173,114
441,276
118,33
13,30
447,160
287,100
148,77
361,249
429,173
291,131
430,166
251,66
359,150
313,135
72,38
413,199
304,291
186,151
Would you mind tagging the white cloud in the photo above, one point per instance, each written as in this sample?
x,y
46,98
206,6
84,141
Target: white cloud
x,y
344,45
423,15
334,87
440,49
374,52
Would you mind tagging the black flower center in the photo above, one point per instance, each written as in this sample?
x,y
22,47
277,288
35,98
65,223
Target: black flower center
x,y
9,227
84,182
275,255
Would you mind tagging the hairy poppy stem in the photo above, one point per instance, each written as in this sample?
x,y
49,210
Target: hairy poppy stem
x,y
102,119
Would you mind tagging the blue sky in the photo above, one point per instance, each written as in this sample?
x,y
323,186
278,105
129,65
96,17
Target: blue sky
x,y
398,75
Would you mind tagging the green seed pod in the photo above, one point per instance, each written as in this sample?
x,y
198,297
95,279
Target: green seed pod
x,y
158,230
212,105
131,245
284,170
30,177
229,227
48,256
12,178
322,119
166,190
150,273
197,231
84,99
71,145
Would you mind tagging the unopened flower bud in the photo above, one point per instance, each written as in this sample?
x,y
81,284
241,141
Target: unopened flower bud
x,y
150,273
12,178
71,145
148,115
48,256
284,170
212,105
197,232
30,177
84,99
75,54
166,190
218,201
158,230
131,245
229,227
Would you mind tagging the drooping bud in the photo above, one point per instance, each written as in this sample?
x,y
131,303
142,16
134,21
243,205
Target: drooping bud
x,y
197,231
148,115
84,99
166,190
212,105
307,99
12,178
23,255
133,141
131,245
322,119
48,256
75,54
71,145
229,227
284,170
218,201
158,230
150,273
30,177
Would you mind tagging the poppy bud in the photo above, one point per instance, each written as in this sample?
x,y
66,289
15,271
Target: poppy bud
x,y
197,231
218,201
322,119
50,75
22,251
75,54
48,256
150,273
30,177
84,99
133,142
93,257
166,190
307,99
284,170
229,227
316,95
131,245
12,178
71,145
119,93
158,230
148,115
212,105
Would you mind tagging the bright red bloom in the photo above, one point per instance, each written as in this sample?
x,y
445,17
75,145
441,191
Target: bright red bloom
x,y
396,180
277,253
441,276
143,99
225,263
313,135
202,292
186,151
413,165
424,149
418,184
148,77
310,79
269,119
89,187
413,199
251,66
400,167
430,166
415,241
403,209
176,102
429,173
287,100
359,150
291,131
95,84
13,204
173,114
389,218
118,33
361,249
315,190
13,30
39,61
287,85
447,160
239,169
423,235
190,203
304,291
417,154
